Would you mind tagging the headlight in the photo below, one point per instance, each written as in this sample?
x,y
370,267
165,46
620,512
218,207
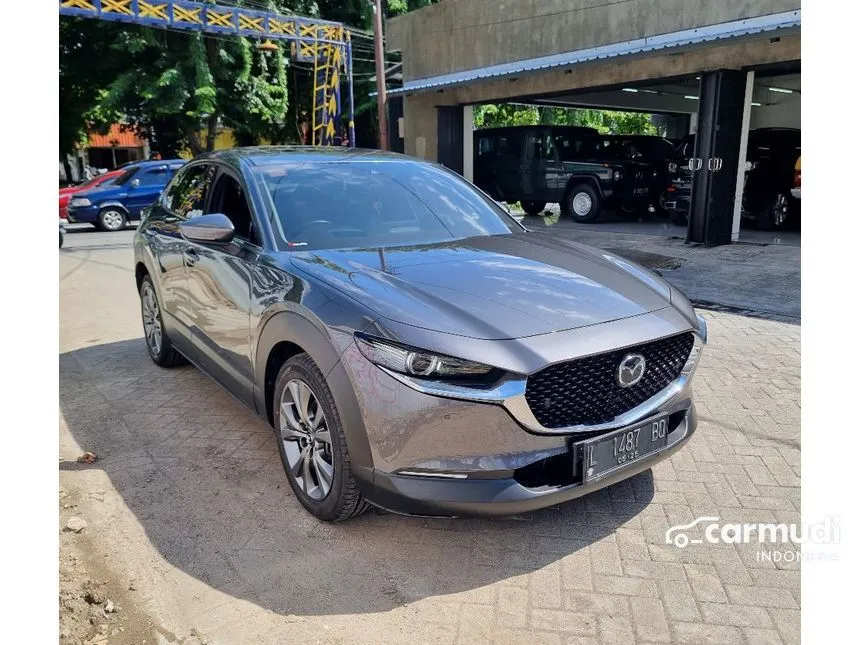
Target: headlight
x,y
617,175
698,345
416,362
80,202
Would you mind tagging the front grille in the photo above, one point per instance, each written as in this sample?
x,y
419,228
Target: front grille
x,y
585,391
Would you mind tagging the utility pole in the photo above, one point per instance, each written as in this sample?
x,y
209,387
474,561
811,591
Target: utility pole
x,y
382,115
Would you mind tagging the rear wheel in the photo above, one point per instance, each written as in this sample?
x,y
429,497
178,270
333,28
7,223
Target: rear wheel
x,y
158,345
311,443
773,216
111,219
533,208
582,203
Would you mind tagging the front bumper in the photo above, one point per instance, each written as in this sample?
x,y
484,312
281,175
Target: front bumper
x,y
431,454
87,214
440,496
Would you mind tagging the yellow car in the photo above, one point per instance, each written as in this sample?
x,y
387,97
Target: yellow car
x,y
795,189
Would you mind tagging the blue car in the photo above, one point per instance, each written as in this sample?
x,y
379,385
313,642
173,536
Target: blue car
x,y
111,205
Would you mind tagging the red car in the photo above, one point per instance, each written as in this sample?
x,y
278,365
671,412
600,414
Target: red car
x,y
67,192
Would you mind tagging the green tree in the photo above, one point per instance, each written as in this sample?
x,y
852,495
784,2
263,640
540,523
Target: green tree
x,y
604,121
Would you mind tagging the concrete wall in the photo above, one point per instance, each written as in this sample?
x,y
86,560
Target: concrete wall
x,y
420,113
456,35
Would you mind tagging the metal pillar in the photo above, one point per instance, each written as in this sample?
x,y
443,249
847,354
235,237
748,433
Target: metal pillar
x,y
468,143
450,136
742,157
715,164
351,98
379,52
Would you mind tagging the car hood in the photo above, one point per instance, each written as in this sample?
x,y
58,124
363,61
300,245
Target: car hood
x,y
99,193
491,287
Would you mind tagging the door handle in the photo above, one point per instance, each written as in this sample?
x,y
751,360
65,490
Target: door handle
x,y
191,257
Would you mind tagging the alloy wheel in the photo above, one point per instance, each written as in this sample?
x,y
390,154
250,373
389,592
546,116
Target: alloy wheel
x,y
582,204
151,319
306,439
113,220
779,210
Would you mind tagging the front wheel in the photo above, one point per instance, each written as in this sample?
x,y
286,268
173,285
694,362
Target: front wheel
x,y
311,443
533,208
582,203
111,219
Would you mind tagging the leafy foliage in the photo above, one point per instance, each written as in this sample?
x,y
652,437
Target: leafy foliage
x,y
605,121
171,86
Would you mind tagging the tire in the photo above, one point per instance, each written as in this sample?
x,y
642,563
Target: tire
x,y
61,239
111,219
533,208
774,215
631,213
322,482
582,203
162,352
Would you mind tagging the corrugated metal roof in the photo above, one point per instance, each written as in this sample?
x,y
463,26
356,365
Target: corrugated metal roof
x,y
116,138
674,40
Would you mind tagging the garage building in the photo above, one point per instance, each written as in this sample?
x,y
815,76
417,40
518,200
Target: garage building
x,y
718,69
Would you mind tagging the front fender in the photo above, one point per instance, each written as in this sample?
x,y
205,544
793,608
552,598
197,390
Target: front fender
x,y
113,203
310,336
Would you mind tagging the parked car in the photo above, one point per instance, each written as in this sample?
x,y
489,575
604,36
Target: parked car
x,y
771,157
676,199
110,207
795,188
413,346
67,192
655,151
536,165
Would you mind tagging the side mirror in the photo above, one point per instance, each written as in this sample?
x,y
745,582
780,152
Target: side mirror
x,y
135,183
207,229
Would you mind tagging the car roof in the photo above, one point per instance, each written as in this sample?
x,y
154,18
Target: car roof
x,y
273,155
154,163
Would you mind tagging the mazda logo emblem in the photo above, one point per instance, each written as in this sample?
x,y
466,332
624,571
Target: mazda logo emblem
x,y
631,370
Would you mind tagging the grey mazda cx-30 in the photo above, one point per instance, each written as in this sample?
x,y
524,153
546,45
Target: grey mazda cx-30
x,y
413,346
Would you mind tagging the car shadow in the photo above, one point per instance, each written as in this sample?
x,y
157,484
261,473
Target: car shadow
x,y
202,476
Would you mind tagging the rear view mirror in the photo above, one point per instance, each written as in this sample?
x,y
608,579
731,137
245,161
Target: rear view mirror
x,y
207,229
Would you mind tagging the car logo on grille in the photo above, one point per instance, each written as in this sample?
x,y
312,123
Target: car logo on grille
x,y
631,370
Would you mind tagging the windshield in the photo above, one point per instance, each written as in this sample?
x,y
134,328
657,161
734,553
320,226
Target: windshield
x,y
124,177
376,203
98,180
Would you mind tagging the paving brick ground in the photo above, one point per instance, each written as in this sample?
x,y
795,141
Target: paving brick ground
x,y
188,500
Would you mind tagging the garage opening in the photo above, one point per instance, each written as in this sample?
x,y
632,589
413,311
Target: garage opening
x,y
711,157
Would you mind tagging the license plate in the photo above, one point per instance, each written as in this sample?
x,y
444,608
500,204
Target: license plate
x,y
640,191
621,448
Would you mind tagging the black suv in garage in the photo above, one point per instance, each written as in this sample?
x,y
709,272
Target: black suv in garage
x,y
771,156
568,165
769,177
653,150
